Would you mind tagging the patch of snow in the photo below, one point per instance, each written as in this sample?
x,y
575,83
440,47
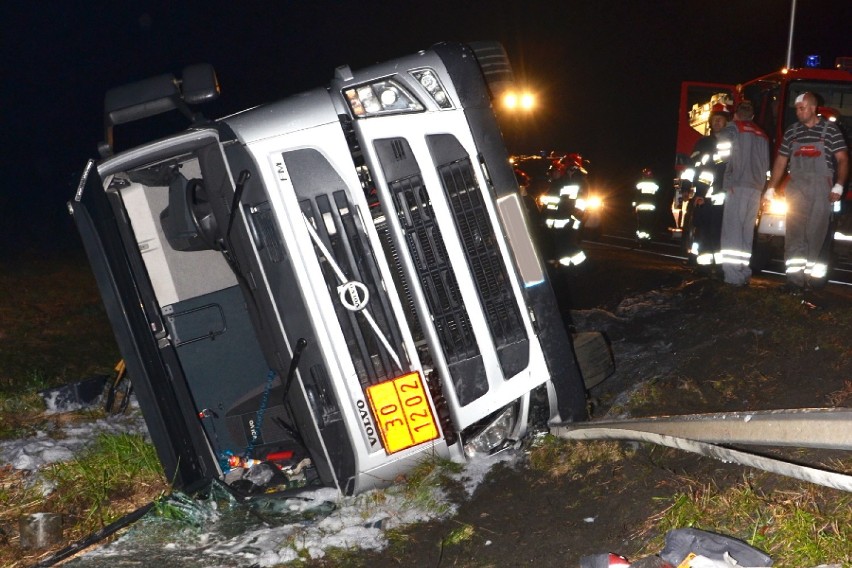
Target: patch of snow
x,y
655,301
43,449
476,470
360,521
595,319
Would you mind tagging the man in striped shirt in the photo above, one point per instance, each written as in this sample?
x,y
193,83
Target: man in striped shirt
x,y
818,160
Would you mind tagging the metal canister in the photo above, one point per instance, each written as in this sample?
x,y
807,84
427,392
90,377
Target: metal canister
x,y
40,530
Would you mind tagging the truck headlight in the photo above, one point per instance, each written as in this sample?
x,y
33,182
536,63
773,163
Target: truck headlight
x,y
381,97
430,82
591,203
492,436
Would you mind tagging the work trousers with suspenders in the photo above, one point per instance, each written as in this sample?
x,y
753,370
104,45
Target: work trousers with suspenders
x,y
808,211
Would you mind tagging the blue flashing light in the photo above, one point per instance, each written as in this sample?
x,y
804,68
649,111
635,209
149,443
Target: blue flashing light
x,y
812,61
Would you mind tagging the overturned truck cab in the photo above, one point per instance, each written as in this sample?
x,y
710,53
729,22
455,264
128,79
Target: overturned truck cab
x,y
342,280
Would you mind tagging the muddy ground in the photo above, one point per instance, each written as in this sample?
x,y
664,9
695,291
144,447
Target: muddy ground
x,y
684,343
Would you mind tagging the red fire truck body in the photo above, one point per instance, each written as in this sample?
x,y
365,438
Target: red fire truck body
x,y
773,96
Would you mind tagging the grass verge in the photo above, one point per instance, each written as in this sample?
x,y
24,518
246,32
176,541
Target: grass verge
x,y
114,476
55,332
797,524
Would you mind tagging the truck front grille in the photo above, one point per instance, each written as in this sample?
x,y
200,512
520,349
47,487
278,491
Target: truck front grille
x,y
437,278
372,334
486,264
333,219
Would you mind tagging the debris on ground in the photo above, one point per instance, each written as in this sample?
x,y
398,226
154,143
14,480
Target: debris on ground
x,y
689,548
74,396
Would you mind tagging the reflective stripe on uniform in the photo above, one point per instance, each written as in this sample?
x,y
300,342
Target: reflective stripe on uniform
x,y
816,269
705,259
795,265
647,187
730,256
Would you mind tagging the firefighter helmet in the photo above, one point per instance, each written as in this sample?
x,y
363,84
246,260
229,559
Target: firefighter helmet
x,y
723,109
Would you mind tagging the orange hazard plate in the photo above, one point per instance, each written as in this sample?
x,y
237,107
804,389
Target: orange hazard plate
x,y
402,412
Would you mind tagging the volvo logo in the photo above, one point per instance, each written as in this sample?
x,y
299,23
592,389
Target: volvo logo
x,y
353,295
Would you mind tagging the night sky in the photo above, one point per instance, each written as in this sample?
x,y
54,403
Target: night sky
x,y
607,72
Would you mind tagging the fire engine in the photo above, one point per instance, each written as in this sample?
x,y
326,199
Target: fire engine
x,y
773,97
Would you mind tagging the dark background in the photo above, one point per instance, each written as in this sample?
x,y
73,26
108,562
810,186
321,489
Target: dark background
x,y
607,72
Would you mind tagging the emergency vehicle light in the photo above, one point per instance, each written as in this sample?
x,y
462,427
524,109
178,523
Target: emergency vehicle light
x,y
777,207
592,203
812,61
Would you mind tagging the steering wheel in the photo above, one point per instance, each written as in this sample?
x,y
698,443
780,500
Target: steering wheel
x,y
201,212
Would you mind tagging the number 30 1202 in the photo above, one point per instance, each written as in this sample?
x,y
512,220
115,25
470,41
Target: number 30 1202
x,y
402,412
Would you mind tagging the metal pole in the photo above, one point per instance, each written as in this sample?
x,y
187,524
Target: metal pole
x,y
790,38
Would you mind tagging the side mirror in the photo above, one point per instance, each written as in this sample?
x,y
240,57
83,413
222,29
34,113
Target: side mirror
x,y
141,99
199,84
157,95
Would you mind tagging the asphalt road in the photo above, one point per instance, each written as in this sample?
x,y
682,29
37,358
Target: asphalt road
x,y
618,233
616,267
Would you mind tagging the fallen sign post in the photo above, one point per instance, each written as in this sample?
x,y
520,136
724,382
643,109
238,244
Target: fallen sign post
x,y
703,434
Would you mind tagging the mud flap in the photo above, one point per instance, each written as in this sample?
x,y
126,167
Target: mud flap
x,y
594,356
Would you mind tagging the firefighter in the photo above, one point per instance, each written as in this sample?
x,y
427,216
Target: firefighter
x,y
645,205
710,158
745,177
566,183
